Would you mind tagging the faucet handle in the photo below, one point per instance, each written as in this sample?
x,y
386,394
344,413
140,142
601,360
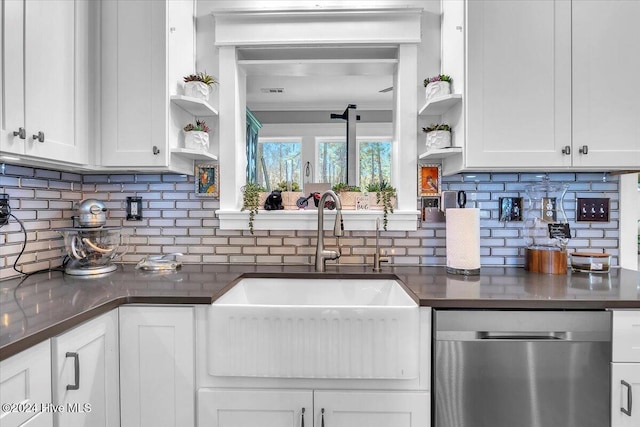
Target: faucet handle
x,y
379,257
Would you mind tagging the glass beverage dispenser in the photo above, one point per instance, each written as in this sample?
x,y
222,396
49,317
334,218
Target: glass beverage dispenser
x,y
546,230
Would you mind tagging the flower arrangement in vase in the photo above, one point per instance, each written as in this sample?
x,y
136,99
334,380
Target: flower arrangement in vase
x,y
437,86
196,137
438,136
199,85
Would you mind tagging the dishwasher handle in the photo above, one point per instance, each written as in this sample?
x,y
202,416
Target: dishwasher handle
x,y
523,336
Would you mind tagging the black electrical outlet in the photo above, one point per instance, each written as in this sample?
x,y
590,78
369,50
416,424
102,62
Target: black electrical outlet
x,y
593,209
5,209
134,208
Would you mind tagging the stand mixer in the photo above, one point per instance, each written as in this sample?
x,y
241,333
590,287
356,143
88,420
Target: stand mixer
x,y
92,246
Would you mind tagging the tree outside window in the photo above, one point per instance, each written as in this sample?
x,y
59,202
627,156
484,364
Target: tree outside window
x,y
374,161
279,161
332,161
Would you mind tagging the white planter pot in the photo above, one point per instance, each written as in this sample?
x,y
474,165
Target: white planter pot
x,y
437,89
196,140
438,139
197,90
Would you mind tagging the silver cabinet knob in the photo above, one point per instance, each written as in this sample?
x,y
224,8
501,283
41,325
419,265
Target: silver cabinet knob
x,y
21,133
156,150
566,150
39,137
584,150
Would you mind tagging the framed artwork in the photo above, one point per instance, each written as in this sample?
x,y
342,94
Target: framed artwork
x,y
207,181
429,178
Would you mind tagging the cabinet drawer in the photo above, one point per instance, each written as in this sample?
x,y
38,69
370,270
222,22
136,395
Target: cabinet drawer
x,y
626,336
26,379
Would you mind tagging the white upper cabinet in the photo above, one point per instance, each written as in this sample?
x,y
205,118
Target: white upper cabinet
x,y
47,81
606,88
518,90
147,49
546,84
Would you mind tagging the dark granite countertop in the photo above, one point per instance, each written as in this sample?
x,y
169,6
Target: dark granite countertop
x,y
47,304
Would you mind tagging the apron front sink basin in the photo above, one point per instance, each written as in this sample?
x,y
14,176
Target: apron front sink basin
x,y
315,328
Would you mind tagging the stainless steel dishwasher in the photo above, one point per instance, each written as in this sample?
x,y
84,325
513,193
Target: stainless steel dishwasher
x,y
522,368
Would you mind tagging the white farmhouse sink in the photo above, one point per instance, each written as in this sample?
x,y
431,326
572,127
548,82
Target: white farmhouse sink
x,y
314,328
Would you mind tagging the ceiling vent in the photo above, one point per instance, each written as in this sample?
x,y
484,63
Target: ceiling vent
x,y
272,90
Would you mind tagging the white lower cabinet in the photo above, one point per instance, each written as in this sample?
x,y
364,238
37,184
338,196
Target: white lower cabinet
x,y
625,369
25,380
264,408
85,374
157,368
625,384
320,408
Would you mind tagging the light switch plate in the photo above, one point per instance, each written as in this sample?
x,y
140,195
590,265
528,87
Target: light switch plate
x,y
593,209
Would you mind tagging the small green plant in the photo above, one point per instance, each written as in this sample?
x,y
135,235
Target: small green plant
x,y
285,186
385,195
201,77
373,187
438,78
200,126
435,127
342,188
251,201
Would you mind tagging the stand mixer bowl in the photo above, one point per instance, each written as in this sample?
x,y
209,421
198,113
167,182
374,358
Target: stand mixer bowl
x,y
92,250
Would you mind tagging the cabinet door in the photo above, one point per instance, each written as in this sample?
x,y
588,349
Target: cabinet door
x,y
47,80
26,379
518,91
87,357
157,385
55,32
250,408
371,409
12,72
134,83
606,66
625,386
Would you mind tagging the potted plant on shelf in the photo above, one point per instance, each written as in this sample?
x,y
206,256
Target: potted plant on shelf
x,y
385,196
438,136
199,85
251,201
196,137
290,193
348,194
437,86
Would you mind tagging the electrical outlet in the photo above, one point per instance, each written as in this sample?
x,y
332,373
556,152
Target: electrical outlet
x,y
431,211
4,209
593,210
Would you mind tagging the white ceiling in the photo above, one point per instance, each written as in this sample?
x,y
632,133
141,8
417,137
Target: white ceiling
x,y
319,78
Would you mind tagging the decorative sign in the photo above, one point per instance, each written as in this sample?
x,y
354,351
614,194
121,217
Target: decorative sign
x,y
362,203
559,231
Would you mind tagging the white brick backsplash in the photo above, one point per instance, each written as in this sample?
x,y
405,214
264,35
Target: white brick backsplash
x,y
176,220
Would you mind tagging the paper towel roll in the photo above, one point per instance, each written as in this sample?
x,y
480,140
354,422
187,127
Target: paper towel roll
x,y
463,241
